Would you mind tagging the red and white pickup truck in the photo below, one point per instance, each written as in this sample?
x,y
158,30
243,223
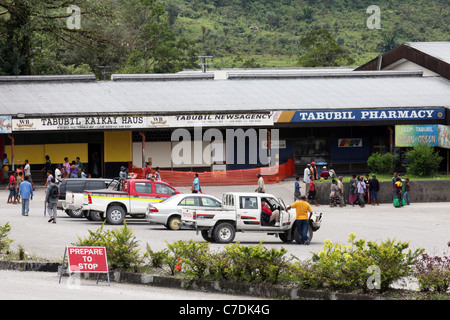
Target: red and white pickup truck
x,y
132,199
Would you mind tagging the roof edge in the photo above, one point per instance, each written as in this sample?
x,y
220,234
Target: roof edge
x,y
332,74
162,77
48,78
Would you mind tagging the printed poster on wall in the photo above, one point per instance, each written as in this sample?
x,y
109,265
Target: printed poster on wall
x,y
444,136
412,135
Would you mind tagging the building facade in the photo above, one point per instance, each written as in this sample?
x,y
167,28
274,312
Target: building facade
x,y
198,122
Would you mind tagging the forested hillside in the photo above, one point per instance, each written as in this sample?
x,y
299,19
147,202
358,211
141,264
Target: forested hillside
x,y
152,36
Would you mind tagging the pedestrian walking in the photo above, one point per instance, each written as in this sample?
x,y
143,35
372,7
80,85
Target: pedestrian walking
x,y
312,192
341,188
302,208
123,173
261,187
27,172
58,173
335,194
47,166
314,172
367,192
79,165
394,179
374,188
332,173
196,184
352,196
11,187
66,168
73,169
5,166
51,199
361,189
19,180
307,177
398,187
49,178
297,187
407,190
157,175
147,171
26,193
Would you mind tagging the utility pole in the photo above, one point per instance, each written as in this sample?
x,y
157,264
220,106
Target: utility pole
x,y
204,63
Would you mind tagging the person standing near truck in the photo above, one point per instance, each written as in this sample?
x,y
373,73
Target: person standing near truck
x,y
302,208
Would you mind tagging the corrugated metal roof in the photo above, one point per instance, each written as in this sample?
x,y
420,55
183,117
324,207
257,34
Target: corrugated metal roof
x,y
253,95
439,50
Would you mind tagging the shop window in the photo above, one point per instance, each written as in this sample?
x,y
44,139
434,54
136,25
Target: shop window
x,y
306,150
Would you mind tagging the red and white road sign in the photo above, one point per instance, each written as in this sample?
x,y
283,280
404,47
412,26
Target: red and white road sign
x,y
87,259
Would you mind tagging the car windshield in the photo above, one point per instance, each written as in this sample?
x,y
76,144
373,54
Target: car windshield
x,y
172,198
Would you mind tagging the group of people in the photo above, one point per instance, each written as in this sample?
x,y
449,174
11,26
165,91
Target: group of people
x,y
311,174
21,185
363,190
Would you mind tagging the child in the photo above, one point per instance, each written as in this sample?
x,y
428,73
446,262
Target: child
x,y
407,190
312,191
297,187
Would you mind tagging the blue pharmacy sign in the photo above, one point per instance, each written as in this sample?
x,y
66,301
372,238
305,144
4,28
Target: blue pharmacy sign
x,y
395,114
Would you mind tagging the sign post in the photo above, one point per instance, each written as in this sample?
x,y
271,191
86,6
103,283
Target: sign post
x,y
85,260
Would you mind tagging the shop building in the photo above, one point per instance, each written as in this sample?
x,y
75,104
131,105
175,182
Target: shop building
x,y
336,116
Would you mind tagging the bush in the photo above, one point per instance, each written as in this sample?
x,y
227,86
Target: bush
x,y
346,267
423,160
433,273
254,263
381,163
121,247
4,240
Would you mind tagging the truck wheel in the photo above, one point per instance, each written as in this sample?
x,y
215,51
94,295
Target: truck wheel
x,y
115,215
206,237
95,216
77,213
298,237
287,236
173,223
224,233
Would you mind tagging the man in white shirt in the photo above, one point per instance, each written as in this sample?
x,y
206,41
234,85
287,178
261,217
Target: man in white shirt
x,y
307,177
27,172
261,187
58,174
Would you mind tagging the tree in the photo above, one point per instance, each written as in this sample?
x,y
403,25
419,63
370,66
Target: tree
x,y
322,50
153,44
22,20
389,42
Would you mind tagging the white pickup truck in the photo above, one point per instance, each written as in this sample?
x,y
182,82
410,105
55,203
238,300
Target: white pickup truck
x,y
242,212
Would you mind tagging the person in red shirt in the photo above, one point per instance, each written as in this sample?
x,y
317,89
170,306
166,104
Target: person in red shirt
x,y
269,215
12,187
312,192
147,171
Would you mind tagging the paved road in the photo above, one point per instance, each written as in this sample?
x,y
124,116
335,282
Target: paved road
x,y
424,225
17,285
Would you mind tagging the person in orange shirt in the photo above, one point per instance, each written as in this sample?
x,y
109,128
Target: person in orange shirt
x,y
302,207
